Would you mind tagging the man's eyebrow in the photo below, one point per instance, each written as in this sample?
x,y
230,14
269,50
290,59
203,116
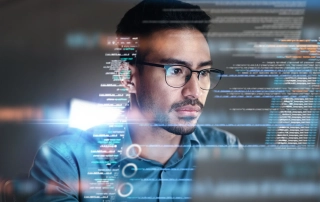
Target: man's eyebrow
x,y
207,63
175,61
185,63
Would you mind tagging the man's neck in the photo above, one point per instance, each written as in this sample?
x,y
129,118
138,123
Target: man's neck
x,y
156,143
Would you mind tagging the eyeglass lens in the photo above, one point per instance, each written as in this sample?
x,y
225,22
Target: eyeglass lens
x,y
178,76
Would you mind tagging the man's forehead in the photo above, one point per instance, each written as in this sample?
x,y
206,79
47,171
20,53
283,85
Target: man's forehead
x,y
183,45
187,63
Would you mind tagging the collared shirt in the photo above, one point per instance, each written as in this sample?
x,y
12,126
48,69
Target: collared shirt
x,y
75,167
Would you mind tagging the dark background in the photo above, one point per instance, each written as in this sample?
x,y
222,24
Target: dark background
x,y
38,69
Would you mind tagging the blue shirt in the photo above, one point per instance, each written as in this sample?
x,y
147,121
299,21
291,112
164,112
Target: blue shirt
x,y
75,167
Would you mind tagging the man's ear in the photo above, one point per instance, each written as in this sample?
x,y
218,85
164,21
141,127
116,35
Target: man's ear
x,y
128,74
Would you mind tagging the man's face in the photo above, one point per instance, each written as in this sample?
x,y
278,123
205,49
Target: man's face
x,y
174,109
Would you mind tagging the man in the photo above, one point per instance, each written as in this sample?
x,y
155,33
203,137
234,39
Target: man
x,y
168,84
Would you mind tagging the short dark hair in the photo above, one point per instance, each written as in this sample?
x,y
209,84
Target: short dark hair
x,y
150,16
154,15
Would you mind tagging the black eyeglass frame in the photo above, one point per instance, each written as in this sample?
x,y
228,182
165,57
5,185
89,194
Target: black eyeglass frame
x,y
166,67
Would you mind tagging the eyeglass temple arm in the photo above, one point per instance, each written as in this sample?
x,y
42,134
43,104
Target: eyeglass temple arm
x,y
219,71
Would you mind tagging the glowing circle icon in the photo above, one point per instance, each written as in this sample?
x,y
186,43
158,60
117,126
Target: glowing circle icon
x,y
133,146
122,186
135,168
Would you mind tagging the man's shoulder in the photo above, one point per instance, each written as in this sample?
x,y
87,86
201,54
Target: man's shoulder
x,y
71,139
75,139
208,135
67,136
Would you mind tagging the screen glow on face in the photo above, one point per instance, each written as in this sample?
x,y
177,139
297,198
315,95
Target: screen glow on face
x,y
172,97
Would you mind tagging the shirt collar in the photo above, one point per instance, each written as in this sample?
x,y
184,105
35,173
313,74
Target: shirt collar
x,y
190,140
186,138
193,139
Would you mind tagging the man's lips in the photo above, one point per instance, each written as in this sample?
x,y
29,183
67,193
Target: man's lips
x,y
188,110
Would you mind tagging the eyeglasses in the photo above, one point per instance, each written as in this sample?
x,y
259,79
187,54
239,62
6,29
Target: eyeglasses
x,y
178,75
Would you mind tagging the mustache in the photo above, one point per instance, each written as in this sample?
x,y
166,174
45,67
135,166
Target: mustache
x,y
187,102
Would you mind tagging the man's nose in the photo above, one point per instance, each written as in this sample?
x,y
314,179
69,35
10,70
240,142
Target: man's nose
x,y
192,88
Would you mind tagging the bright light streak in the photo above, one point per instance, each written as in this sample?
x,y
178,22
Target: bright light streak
x,y
85,115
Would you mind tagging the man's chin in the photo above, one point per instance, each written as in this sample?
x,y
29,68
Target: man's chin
x,y
185,127
188,120
179,129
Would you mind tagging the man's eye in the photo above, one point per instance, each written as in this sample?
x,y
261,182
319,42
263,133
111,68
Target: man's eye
x,y
204,73
175,71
